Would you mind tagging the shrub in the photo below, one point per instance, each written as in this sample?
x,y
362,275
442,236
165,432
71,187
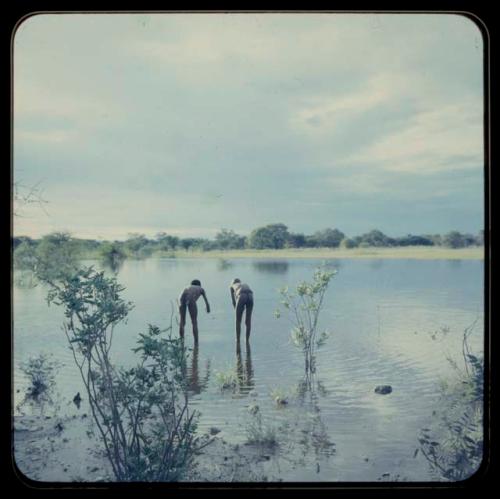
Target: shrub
x,y
258,432
142,414
304,307
454,445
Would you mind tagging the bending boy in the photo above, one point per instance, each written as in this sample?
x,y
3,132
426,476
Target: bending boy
x,y
188,301
242,298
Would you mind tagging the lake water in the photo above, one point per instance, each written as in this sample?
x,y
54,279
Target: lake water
x,y
381,315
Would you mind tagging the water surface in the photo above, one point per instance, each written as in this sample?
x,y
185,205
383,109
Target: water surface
x,y
381,315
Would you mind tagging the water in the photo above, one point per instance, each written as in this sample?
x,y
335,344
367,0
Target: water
x,y
381,315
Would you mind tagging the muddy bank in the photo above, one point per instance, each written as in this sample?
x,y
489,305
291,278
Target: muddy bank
x,y
52,449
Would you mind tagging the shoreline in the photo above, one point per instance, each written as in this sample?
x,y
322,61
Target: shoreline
x,y
408,252
64,450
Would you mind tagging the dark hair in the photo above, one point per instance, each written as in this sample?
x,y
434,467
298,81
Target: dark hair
x,y
195,283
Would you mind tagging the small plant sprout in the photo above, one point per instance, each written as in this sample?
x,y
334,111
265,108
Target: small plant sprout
x,y
258,432
226,380
280,396
40,371
303,308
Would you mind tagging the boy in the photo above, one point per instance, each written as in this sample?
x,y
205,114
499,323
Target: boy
x,y
188,301
242,298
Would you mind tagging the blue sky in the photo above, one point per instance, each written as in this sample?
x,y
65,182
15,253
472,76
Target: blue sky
x,y
187,123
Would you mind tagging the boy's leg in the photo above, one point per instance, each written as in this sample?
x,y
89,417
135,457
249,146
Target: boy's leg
x,y
248,317
240,305
182,313
193,312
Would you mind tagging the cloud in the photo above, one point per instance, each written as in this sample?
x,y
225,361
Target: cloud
x,y
230,120
445,138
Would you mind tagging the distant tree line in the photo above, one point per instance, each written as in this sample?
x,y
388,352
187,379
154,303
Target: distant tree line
x,y
272,236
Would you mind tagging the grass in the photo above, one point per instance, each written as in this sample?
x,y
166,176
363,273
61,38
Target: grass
x,y
407,252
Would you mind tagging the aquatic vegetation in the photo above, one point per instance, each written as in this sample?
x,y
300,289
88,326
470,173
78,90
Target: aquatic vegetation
x,y
453,445
281,396
41,371
303,309
142,414
259,432
226,380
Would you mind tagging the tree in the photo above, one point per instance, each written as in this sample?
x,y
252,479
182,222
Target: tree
x,y
328,238
296,240
411,240
455,239
271,236
480,238
56,256
375,238
167,242
348,243
228,239
24,196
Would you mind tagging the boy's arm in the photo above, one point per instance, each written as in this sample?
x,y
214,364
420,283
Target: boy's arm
x,y
232,296
206,301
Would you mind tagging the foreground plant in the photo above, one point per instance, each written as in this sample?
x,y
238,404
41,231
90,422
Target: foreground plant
x,y
454,445
258,432
40,371
142,414
304,306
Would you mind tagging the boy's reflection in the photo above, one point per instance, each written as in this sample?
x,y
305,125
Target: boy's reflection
x,y
244,372
194,384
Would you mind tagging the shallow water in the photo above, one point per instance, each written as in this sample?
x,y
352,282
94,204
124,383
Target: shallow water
x,y
381,315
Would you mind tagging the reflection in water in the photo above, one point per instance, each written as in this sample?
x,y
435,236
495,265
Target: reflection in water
x,y
271,267
24,279
195,385
376,264
244,373
113,263
314,431
454,264
223,264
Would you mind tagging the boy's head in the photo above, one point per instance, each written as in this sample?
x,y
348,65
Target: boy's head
x,y
195,282
235,281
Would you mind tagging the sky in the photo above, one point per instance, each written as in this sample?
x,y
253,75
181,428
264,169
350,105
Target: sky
x,y
189,123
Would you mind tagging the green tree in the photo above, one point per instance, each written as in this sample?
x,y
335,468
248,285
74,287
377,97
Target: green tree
x,y
228,239
167,242
375,238
328,238
411,240
455,239
348,243
56,256
139,246
480,238
271,236
296,240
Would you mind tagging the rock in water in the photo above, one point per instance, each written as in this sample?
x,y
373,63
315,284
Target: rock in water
x,y
383,389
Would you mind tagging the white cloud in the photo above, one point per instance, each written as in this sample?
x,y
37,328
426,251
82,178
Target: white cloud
x,y
322,115
445,138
